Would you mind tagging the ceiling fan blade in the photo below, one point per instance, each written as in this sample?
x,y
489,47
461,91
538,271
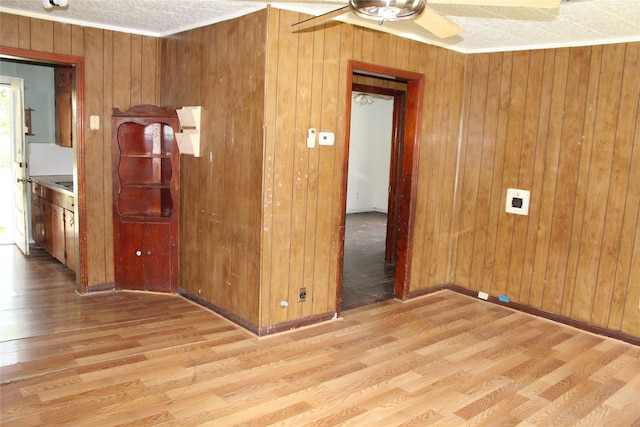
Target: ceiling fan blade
x,y
315,20
437,24
542,4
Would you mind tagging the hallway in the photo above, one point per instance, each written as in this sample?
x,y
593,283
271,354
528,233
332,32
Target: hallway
x,y
366,279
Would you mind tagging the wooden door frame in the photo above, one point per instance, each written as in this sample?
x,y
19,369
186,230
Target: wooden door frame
x,y
408,173
397,132
82,278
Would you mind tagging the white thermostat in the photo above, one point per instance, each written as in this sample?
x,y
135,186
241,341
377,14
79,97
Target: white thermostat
x,y
517,201
325,138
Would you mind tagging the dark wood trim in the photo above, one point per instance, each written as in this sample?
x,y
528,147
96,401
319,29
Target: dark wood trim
x,y
533,311
407,186
82,276
269,330
407,191
221,311
359,87
101,288
297,323
397,139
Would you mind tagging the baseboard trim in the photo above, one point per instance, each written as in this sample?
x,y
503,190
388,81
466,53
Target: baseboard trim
x,y
261,332
221,311
319,318
297,323
101,288
598,330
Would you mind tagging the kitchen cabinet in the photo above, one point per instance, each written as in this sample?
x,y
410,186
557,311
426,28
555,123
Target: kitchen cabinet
x,y
70,239
145,198
63,84
54,230
37,216
52,221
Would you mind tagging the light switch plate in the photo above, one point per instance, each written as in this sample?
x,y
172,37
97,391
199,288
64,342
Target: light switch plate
x,y
517,201
326,138
94,122
311,138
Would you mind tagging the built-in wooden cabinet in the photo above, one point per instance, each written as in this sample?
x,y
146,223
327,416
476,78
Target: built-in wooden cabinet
x,y
63,83
145,198
52,222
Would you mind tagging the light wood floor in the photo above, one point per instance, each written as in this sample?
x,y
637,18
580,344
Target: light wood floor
x,y
145,359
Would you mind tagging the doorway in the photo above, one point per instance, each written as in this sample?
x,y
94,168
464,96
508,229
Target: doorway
x,y
6,157
406,89
370,241
77,67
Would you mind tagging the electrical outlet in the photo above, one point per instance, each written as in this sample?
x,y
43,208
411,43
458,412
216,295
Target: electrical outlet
x,y
302,294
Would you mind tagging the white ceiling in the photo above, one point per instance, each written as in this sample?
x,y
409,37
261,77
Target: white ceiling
x,y
487,29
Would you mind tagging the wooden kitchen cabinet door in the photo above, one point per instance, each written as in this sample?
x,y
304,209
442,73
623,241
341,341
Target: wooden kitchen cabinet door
x,y
37,221
56,231
63,76
70,239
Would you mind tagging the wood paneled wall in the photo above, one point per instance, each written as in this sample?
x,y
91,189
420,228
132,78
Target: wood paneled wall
x,y
120,71
261,212
562,123
221,68
265,210
306,88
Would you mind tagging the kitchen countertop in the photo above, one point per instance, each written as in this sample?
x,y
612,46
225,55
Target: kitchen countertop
x,y
63,183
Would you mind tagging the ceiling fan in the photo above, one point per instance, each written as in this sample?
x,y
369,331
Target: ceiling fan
x,y
416,11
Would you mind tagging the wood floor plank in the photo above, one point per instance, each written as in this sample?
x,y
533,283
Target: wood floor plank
x,y
133,358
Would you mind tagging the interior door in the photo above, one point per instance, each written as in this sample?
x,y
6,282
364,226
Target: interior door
x,y
20,173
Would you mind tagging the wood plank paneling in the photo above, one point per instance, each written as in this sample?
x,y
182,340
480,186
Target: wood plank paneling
x,y
9,30
562,122
62,41
221,68
566,128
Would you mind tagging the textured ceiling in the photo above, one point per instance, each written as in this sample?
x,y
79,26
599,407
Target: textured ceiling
x,y
487,29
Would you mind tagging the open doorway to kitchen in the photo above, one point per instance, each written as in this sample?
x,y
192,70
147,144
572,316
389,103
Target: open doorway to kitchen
x,y
76,239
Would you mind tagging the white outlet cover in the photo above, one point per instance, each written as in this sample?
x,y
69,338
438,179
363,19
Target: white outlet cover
x,y
326,138
517,201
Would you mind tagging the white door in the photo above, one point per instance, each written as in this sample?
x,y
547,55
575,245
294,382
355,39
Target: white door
x,y
20,173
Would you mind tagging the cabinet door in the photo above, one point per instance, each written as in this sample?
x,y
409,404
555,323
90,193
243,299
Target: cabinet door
x,y
129,267
57,240
70,240
48,224
158,261
145,256
37,220
63,76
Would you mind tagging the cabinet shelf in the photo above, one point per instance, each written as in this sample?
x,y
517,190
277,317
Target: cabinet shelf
x,y
145,156
151,186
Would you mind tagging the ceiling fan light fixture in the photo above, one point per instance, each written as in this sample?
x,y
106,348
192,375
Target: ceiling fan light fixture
x,y
363,99
50,4
387,10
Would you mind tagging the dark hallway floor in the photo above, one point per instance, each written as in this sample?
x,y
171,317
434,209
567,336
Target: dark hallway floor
x,y
365,279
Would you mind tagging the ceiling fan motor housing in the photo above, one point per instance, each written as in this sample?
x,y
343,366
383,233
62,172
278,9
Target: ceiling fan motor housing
x,y
390,10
